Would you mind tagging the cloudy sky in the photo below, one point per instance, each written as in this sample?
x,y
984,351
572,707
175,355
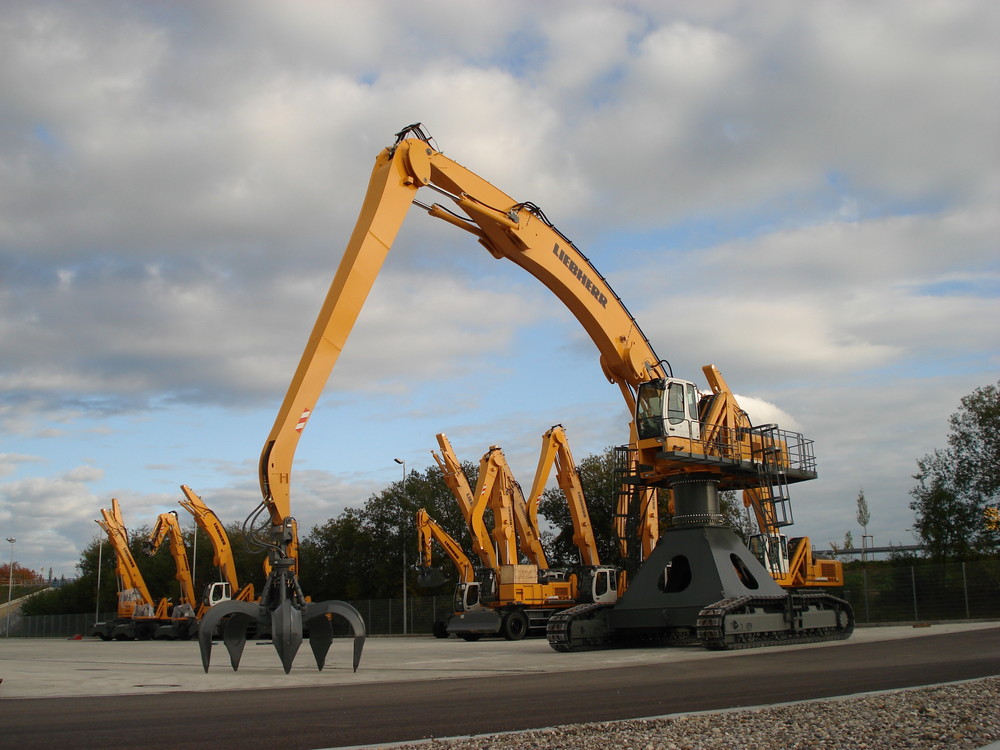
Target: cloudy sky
x,y
804,194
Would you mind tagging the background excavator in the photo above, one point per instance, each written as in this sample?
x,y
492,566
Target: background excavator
x,y
700,583
137,615
509,597
458,483
555,452
222,590
429,531
183,616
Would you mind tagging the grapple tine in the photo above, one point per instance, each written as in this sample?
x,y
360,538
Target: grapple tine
x,y
243,613
320,638
205,643
359,644
318,610
289,609
234,635
286,632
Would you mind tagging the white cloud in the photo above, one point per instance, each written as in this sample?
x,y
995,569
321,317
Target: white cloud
x,y
9,462
801,194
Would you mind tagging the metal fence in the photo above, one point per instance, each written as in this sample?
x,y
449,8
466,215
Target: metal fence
x,y
381,616
879,594
892,593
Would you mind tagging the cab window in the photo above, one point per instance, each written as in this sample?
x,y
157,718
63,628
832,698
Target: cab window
x,y
601,584
649,409
675,403
692,401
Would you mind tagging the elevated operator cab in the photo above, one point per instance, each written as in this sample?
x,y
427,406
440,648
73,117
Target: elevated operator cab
x,y
667,407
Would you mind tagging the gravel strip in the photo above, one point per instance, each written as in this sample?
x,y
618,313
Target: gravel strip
x,y
958,715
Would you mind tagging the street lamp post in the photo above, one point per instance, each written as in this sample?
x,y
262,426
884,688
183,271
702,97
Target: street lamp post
x,y
402,533
97,597
10,583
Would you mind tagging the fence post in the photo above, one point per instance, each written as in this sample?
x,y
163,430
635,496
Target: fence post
x,y
965,592
913,584
864,588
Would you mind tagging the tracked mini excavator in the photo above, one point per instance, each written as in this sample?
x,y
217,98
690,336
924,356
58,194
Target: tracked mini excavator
x,y
700,583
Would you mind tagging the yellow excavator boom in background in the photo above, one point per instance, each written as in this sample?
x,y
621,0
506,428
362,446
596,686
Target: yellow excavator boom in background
x,y
138,616
458,483
555,452
429,531
183,616
222,553
166,526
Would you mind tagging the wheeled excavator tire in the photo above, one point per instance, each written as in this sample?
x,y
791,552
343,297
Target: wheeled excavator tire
x,y
514,625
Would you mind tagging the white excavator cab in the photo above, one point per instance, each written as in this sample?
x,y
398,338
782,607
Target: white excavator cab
x,y
667,407
772,552
467,596
600,585
217,592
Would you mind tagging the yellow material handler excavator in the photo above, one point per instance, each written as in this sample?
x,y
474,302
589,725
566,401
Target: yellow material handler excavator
x,y
428,576
183,616
700,583
137,616
511,598
223,590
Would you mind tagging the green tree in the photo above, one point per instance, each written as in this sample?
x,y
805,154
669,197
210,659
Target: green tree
x,y
735,516
864,516
974,444
81,595
600,489
945,522
955,485
364,552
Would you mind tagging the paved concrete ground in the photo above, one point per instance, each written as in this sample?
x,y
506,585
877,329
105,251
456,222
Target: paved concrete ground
x,y
38,668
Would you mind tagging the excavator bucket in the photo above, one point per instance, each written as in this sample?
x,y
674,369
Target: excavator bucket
x,y
431,577
287,624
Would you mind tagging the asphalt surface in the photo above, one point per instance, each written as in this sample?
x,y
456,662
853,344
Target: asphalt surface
x,y
86,694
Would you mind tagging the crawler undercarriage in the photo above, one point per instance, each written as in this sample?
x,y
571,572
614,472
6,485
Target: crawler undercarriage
x,y
701,585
